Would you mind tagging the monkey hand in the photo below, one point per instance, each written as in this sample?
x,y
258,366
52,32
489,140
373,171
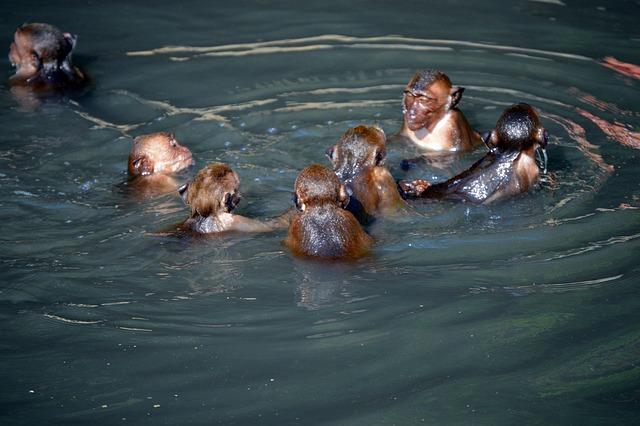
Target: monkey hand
x,y
413,188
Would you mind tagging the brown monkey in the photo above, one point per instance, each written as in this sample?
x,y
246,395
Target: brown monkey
x,y
157,153
152,159
322,228
359,162
432,120
212,196
41,54
508,169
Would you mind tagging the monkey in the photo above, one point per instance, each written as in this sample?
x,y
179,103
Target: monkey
x,y
432,120
508,169
322,228
41,55
359,161
212,196
153,158
157,153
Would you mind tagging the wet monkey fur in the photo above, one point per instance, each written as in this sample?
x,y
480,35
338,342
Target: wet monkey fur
x,y
509,169
322,228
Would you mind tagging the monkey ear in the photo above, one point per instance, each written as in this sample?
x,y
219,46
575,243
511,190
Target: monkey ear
x,y
330,152
143,165
543,137
490,140
184,192
231,200
343,197
456,95
381,156
36,61
298,202
71,41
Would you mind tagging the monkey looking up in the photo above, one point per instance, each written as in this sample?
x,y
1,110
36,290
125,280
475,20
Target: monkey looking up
x,y
212,196
322,228
432,120
41,54
508,169
359,161
157,153
153,158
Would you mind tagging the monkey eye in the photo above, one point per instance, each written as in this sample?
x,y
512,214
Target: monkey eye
x,y
423,99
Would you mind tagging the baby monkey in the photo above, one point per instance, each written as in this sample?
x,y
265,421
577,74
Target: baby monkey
x,y
509,169
212,196
322,228
432,120
41,54
152,159
359,161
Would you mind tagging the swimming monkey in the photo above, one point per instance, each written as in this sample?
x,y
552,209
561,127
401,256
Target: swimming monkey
x,y
432,120
509,169
322,228
212,196
359,161
153,158
41,54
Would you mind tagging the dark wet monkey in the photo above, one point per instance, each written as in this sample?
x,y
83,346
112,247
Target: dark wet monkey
x,y
509,169
322,228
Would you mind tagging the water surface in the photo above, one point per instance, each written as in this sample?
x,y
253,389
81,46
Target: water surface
x,y
521,312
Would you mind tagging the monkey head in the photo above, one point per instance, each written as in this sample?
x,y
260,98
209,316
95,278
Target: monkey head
x,y
41,49
317,185
214,190
360,149
518,129
157,153
427,99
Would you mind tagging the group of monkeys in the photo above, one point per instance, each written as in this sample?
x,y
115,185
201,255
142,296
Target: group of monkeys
x,y
333,207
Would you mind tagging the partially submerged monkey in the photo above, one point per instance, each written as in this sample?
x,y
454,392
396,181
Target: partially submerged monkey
x,y
41,54
432,120
322,228
509,169
153,158
359,161
212,196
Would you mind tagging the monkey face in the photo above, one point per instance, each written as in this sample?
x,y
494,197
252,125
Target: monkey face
x,y
424,107
158,153
22,55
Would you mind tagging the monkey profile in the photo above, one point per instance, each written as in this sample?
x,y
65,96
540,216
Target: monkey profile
x,y
322,228
212,196
432,120
41,55
152,160
508,169
359,161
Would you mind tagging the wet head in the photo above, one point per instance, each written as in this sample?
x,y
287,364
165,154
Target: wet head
x,y
518,129
360,148
427,99
158,153
214,190
41,54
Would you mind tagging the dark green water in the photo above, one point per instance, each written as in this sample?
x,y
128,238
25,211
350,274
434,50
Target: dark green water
x,y
525,312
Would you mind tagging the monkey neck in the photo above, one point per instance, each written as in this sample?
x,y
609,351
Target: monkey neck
x,y
441,135
210,224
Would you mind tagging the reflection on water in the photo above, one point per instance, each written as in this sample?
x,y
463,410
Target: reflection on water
x,y
525,311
